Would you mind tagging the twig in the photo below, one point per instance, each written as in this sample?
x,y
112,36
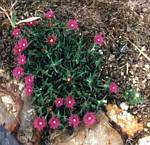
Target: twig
x,y
28,20
3,10
127,68
10,12
7,15
140,50
12,6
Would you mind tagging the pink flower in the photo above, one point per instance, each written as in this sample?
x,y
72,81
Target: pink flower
x,y
113,88
21,59
21,26
99,39
39,123
18,72
28,80
69,102
23,43
89,119
58,102
28,90
15,32
16,50
51,40
49,14
74,120
72,24
54,122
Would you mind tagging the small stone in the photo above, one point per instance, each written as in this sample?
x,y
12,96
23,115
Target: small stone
x,y
122,73
124,106
100,51
134,81
146,129
145,10
125,48
148,124
147,66
148,76
111,57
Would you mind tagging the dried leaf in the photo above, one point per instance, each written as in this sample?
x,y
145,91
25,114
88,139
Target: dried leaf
x,y
28,20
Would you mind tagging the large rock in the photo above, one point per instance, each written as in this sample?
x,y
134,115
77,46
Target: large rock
x,y
100,134
10,108
16,111
128,123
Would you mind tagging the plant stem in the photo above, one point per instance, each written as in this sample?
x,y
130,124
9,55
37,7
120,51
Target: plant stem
x,y
141,52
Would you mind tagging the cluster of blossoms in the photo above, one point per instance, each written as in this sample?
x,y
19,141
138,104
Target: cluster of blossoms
x,y
89,118
74,120
18,71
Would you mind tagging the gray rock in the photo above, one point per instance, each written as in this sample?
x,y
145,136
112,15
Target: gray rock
x,y
6,138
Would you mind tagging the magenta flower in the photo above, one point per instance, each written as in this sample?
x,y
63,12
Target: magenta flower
x,y
89,119
51,40
58,102
23,43
49,14
74,120
72,24
18,72
69,102
39,123
16,50
54,122
99,39
15,32
21,59
28,90
28,80
113,88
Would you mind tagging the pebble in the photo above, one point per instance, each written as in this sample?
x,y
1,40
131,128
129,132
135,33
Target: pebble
x,y
146,129
148,76
145,10
124,106
100,51
147,66
148,124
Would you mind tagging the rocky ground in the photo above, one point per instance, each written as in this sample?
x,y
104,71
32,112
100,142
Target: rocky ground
x,y
126,26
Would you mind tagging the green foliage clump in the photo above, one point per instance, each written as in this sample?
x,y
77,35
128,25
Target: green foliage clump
x,y
133,97
70,67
